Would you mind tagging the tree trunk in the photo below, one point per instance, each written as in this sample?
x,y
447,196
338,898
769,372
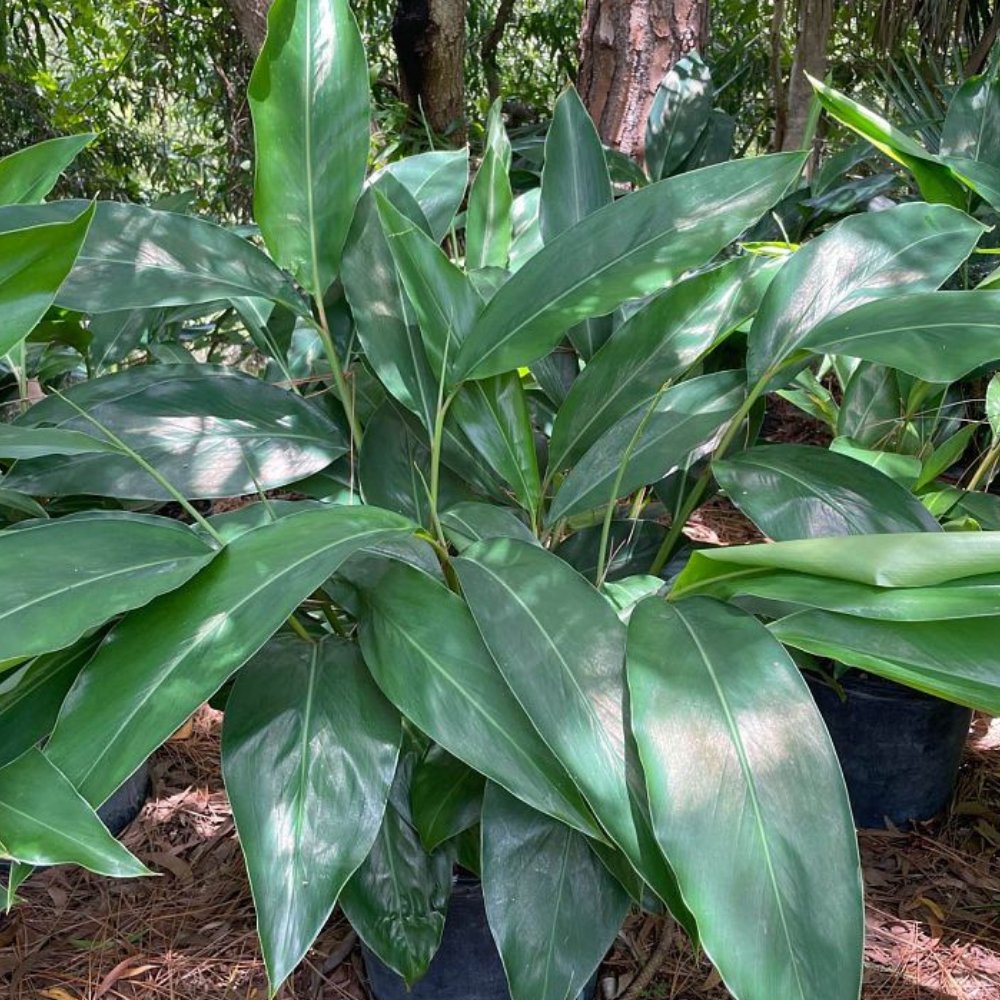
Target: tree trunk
x,y
626,48
812,35
429,38
251,16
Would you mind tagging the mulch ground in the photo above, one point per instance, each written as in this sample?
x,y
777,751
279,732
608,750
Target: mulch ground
x,y
933,908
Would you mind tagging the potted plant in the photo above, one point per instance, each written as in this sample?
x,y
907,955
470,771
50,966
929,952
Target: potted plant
x,y
420,672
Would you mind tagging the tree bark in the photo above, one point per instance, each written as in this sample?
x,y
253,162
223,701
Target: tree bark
x,y
626,48
429,38
812,36
251,16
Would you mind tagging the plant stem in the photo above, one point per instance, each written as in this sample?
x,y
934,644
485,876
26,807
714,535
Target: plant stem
x,y
299,629
983,469
323,329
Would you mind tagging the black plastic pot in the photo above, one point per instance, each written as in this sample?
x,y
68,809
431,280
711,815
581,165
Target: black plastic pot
x,y
899,749
467,965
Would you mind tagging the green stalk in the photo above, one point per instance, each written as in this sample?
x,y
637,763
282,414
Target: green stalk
x,y
323,329
299,629
983,469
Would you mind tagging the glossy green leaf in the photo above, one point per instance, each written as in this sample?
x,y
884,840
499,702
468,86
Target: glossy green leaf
x,y
489,220
798,491
467,523
136,257
878,255
982,178
561,649
28,175
714,145
932,177
309,100
937,336
871,405
35,259
309,752
210,431
972,125
553,908
945,455
677,116
446,797
37,442
397,899
575,183
655,345
632,546
437,181
23,504
683,424
44,821
162,662
76,572
423,649
904,469
746,796
956,661
527,239
115,335
625,250
993,405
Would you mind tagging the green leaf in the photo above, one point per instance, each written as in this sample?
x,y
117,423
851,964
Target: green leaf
x,y
797,491
397,899
28,175
972,125
655,345
12,500
76,572
632,546
34,262
945,456
932,177
446,797
210,431
904,469
878,255
937,336
489,222
871,405
625,250
310,104
37,442
982,178
44,821
437,181
561,649
553,908
115,335
714,145
136,257
683,424
957,662
159,664
421,644
575,183
677,116
746,796
993,405
309,751
466,523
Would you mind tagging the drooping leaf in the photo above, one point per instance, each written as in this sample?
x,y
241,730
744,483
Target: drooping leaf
x,y
437,181
553,908
309,752
310,104
446,797
28,175
623,251
210,431
746,793
798,491
162,662
44,821
489,221
677,116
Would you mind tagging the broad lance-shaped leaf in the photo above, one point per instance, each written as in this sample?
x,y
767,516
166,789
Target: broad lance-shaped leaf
x,y
746,794
467,523
937,336
396,901
561,649
446,797
310,104
159,664
553,908
972,125
44,821
489,222
658,343
876,255
38,442
136,257
424,651
680,427
623,251
677,116
796,491
35,258
309,751
575,183
210,431
437,182
29,174
76,572
954,660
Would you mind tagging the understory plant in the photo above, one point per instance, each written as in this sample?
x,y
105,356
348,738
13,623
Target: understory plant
x,y
455,620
